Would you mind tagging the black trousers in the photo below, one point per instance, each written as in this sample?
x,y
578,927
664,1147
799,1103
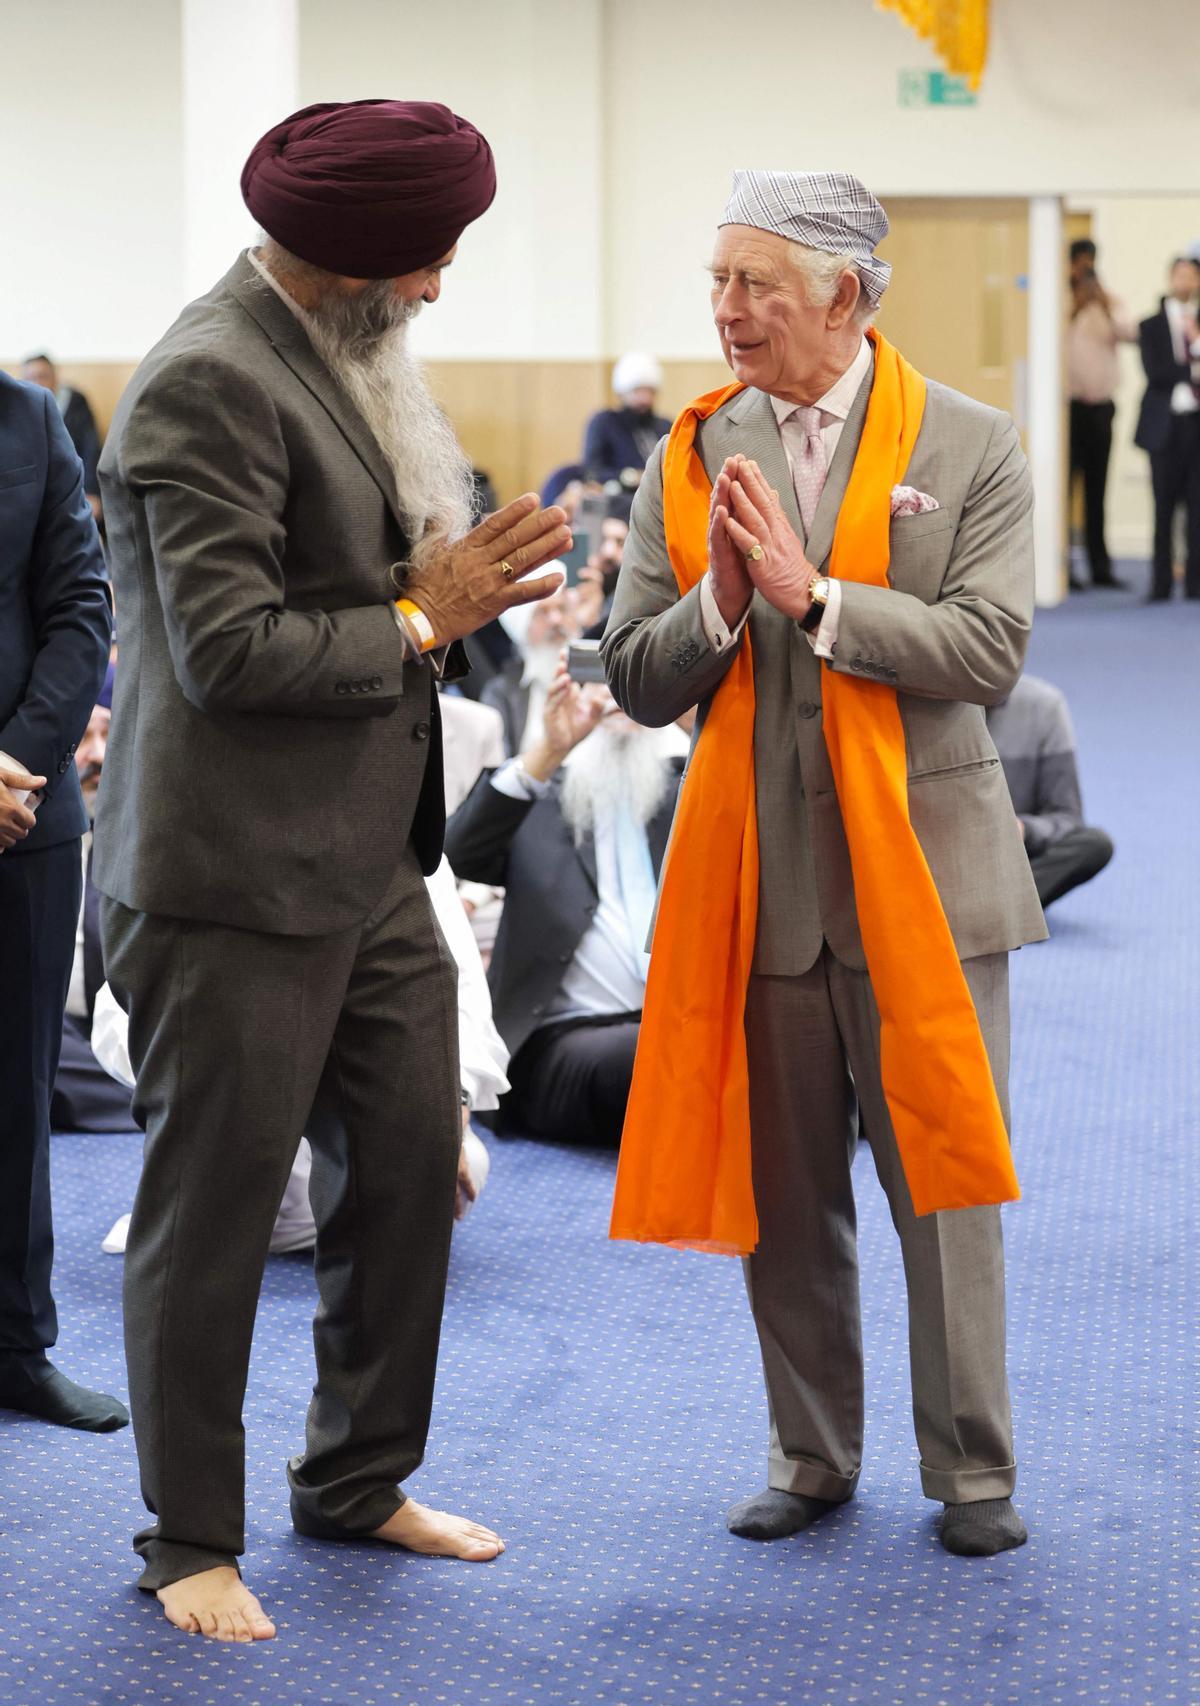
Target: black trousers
x,y
241,1042
1073,859
39,907
1091,447
85,1097
570,1082
1175,476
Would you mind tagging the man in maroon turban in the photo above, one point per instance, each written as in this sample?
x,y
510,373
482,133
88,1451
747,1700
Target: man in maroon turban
x,y
290,524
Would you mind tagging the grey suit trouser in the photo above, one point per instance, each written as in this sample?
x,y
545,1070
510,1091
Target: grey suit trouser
x,y
241,1042
814,1075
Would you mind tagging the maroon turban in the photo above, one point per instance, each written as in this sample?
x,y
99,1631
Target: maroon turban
x,y
370,189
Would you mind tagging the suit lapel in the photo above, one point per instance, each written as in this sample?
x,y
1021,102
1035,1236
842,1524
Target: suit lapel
x,y
290,343
838,478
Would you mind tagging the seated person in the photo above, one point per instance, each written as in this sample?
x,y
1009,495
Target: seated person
x,y
539,632
618,442
84,1097
1033,735
575,831
472,742
482,1061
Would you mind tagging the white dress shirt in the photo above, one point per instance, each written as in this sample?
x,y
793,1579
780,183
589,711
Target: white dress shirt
x,y
835,406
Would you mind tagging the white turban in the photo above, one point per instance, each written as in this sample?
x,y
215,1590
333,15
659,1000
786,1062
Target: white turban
x,y
821,210
635,370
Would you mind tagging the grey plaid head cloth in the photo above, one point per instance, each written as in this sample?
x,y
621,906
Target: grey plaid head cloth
x,y
822,210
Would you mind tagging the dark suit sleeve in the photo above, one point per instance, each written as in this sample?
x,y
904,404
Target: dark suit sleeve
x,y
1158,355
203,449
480,833
68,601
599,449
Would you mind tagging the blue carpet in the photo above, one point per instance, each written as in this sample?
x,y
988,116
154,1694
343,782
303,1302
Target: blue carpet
x,y
601,1405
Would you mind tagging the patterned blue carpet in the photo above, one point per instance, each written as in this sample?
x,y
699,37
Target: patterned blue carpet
x,y
601,1405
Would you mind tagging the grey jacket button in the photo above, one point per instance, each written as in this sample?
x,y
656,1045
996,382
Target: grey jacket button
x,y
420,731
377,681
806,708
340,687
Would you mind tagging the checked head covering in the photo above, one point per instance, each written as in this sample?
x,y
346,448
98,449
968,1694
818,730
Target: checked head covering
x,y
822,210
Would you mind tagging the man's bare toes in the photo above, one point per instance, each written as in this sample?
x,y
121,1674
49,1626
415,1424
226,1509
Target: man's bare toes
x,y
208,1622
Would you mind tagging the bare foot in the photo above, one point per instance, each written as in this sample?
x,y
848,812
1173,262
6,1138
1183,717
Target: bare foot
x,y
218,1604
438,1535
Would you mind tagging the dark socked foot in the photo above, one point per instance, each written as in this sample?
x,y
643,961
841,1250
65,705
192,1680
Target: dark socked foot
x,y
982,1529
38,1389
772,1515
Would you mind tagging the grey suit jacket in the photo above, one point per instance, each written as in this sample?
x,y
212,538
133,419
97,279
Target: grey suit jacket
x,y
949,634
272,748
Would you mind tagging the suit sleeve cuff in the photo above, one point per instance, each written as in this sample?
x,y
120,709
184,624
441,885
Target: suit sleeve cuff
x,y
717,632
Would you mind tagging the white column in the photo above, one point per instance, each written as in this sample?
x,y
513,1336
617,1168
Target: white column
x,y
240,76
1045,394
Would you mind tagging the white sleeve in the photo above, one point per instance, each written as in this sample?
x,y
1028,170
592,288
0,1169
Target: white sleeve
x,y
483,1058
513,779
110,1037
717,631
825,638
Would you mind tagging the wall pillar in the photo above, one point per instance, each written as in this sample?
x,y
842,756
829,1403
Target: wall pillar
x,y
1045,435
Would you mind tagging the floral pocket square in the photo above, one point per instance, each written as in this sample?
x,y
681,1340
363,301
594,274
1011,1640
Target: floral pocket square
x,y
907,500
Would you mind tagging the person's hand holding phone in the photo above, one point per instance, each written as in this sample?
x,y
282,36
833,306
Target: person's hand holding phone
x,y
570,714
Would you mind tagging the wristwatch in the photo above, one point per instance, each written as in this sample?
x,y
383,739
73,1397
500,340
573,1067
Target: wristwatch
x,y
818,589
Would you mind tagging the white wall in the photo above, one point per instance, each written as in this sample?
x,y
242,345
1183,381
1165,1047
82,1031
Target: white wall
x,y
90,176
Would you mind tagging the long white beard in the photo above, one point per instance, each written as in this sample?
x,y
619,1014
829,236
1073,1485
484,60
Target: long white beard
x,y
364,343
612,768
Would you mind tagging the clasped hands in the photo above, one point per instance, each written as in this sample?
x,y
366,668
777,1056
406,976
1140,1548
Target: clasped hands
x,y
751,543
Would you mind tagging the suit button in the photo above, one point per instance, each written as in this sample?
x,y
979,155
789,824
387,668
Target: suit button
x,y
62,767
340,688
420,731
377,681
538,1009
806,708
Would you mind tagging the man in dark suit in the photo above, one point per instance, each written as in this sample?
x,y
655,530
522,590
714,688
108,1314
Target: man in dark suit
x,y
78,419
575,831
276,473
1169,424
55,627
618,442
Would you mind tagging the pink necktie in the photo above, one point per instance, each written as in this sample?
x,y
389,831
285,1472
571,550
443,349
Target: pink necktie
x,y
808,468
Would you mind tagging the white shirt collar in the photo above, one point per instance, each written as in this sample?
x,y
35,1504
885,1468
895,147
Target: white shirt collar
x,y
288,301
839,399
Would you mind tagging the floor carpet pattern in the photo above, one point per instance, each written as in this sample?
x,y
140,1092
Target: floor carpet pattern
x,y
601,1404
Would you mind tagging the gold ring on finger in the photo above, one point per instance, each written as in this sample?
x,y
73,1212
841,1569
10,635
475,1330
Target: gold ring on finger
x,y
507,570
755,553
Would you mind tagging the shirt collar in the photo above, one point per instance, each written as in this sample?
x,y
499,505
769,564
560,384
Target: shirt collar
x,y
289,302
839,399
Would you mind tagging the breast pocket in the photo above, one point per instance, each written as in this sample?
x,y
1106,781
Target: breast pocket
x,y
920,547
17,476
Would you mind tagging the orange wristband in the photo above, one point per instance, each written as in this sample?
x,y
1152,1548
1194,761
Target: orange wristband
x,y
421,626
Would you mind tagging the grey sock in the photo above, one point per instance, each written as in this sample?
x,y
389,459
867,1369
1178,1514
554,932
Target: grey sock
x,y
772,1515
983,1528
34,1386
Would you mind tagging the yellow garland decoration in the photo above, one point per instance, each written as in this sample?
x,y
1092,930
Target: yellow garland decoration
x,y
958,30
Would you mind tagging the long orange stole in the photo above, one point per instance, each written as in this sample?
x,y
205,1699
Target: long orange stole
x,y
684,1174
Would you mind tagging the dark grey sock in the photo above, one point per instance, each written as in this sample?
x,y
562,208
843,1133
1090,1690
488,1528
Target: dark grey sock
x,y
34,1386
772,1515
982,1529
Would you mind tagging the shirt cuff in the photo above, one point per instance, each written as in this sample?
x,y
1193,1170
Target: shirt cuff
x,y
513,779
412,646
716,630
825,638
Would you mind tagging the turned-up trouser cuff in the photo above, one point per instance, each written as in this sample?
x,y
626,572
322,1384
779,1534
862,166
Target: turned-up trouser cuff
x,y
814,1071
242,1043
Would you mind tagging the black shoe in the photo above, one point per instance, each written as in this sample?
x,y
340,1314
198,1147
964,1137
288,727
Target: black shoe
x,y
1075,584
1112,583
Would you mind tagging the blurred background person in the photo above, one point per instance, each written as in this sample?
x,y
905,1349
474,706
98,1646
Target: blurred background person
x,y
575,830
1169,425
472,742
55,626
77,416
1099,324
618,441
538,633
86,1097
1033,734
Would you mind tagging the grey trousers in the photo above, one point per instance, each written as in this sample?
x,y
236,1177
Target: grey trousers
x,y
241,1042
814,1075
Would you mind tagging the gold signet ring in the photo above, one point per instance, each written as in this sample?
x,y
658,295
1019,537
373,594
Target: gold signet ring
x,y
507,570
755,553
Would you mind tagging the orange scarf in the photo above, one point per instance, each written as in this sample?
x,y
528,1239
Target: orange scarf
x,y
684,1175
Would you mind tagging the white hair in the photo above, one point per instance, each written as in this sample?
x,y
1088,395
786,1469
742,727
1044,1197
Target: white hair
x,y
615,767
822,273
363,340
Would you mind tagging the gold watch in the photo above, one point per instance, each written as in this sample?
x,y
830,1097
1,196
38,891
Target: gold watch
x,y
818,591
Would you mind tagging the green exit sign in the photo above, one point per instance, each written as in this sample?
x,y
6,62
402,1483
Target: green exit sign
x,y
935,89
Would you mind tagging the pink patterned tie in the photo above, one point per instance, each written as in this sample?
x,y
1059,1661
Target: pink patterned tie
x,y
808,468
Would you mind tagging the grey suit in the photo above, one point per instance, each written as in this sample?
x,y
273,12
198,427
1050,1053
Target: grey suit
x,y
949,633
272,793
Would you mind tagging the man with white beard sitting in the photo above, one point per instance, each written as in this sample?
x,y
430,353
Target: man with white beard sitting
x,y
575,829
518,692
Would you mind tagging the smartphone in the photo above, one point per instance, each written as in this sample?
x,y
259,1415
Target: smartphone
x,y
583,661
